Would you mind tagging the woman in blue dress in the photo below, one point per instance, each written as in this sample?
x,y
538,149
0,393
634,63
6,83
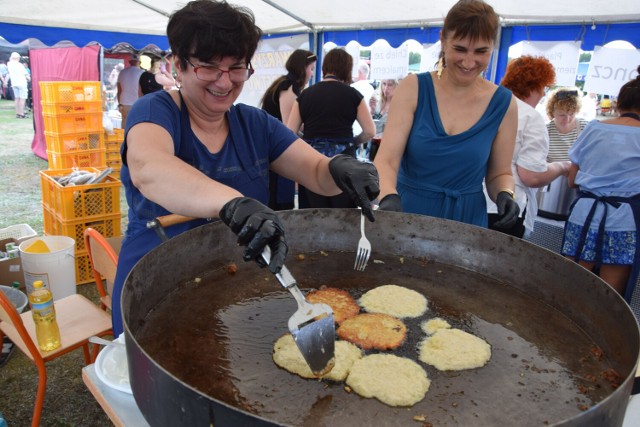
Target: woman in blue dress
x,y
450,129
193,152
601,233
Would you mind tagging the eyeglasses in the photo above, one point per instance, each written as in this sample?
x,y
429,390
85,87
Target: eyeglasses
x,y
210,73
564,94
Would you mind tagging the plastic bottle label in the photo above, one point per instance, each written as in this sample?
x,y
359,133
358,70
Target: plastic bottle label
x,y
43,309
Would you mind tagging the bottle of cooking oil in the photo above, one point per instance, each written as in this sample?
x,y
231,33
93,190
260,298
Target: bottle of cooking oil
x,y
44,317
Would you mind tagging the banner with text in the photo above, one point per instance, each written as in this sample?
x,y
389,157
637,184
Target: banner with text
x,y
611,68
269,62
564,55
429,58
389,63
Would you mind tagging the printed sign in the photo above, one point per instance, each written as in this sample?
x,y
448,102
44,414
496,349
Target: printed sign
x,y
389,63
611,68
269,62
564,55
430,56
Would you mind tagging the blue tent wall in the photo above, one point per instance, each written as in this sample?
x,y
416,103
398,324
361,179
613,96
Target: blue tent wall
x,y
510,35
51,35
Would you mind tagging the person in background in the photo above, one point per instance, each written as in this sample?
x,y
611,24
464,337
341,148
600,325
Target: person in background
x,y
562,106
379,105
450,129
19,83
589,109
113,76
601,233
527,78
128,83
278,101
193,152
327,110
4,79
362,85
154,79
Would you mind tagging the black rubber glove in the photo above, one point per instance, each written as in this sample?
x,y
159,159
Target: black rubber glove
x,y
256,226
508,211
390,202
359,180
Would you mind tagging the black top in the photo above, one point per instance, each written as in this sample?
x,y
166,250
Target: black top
x,y
328,110
148,83
271,103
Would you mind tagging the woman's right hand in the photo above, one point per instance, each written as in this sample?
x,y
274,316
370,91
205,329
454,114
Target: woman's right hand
x,y
256,226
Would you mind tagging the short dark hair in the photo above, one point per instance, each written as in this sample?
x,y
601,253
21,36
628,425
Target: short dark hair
x,y
629,96
338,62
210,29
471,18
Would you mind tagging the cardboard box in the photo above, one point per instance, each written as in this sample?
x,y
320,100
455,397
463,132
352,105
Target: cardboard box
x,y
11,269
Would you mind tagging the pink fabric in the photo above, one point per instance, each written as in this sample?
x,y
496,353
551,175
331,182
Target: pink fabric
x,y
58,64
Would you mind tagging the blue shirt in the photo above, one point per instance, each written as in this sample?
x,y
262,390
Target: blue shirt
x,y
255,140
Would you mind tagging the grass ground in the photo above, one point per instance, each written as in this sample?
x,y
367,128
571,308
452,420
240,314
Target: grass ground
x,y
67,402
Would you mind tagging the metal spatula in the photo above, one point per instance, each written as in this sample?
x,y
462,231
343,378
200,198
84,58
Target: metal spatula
x,y
311,325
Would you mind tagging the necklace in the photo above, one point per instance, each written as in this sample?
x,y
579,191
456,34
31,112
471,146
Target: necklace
x,y
631,116
330,77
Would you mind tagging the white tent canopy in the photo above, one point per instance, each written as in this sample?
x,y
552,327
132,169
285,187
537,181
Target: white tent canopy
x,y
291,16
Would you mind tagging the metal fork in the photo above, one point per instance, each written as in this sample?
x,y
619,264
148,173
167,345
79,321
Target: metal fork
x,y
364,248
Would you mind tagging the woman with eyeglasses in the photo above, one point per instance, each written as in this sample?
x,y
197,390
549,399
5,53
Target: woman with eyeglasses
x,y
193,152
278,101
601,233
562,106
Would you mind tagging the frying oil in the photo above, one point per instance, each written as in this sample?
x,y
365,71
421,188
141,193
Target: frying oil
x,y
44,317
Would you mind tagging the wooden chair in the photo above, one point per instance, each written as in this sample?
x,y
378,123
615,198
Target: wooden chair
x,y
103,254
78,319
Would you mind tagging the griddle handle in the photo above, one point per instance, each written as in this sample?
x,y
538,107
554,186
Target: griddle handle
x,y
172,219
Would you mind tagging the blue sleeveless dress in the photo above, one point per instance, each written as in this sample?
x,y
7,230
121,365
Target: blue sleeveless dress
x,y
441,175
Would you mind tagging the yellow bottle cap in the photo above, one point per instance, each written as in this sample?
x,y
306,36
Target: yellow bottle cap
x,y
38,284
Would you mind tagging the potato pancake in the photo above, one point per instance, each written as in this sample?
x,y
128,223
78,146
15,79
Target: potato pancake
x,y
344,306
395,301
373,330
454,350
393,380
287,355
432,325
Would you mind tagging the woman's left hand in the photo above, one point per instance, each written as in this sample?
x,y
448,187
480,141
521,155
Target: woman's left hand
x,y
508,210
359,180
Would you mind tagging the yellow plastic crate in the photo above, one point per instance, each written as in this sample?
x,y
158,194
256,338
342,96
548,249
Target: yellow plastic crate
x,y
73,123
77,159
107,225
84,271
66,142
113,156
79,201
65,92
116,137
60,108
115,174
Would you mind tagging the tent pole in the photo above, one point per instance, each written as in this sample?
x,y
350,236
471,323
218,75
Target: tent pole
x,y
292,15
496,53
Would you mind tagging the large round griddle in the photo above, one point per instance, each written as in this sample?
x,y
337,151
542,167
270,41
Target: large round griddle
x,y
200,339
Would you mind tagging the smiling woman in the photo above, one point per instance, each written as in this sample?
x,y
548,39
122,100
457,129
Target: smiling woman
x,y
436,166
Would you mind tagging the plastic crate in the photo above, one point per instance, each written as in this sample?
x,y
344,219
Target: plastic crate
x,y
113,156
66,142
115,174
73,123
84,271
79,201
19,232
65,92
107,225
116,137
59,108
77,159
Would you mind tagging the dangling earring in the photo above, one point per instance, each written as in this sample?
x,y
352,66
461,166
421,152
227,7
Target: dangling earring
x,y
440,67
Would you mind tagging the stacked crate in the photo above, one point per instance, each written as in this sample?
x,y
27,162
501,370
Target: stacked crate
x,y
69,210
72,113
113,141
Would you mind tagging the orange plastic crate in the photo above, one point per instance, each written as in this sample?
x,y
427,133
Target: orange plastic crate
x,y
113,156
84,271
79,201
77,159
116,137
73,123
66,142
71,107
65,92
107,225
